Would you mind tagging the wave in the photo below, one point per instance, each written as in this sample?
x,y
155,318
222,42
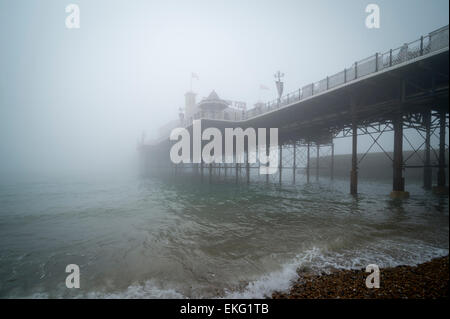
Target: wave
x,y
319,261
149,290
316,260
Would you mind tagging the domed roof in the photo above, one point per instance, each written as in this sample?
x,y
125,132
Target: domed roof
x,y
213,102
213,96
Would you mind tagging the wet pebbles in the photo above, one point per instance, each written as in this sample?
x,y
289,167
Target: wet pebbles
x,y
427,280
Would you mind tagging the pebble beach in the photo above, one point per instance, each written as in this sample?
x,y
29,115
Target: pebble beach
x,y
424,281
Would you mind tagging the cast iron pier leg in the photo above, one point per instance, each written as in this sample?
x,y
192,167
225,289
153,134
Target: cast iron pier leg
x,y
441,185
332,161
247,168
398,186
201,170
210,173
317,161
294,163
308,160
281,162
427,171
354,171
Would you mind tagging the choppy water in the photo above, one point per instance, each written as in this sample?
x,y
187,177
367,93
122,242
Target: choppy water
x,y
145,238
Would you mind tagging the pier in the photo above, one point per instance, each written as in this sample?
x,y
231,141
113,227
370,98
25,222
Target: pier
x,y
405,88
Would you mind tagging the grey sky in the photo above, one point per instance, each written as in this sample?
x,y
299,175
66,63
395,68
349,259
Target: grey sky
x,y
81,98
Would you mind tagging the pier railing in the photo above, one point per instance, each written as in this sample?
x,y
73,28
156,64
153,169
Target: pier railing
x,y
434,41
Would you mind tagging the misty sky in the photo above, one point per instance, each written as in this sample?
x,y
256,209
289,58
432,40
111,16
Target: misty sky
x,y
77,98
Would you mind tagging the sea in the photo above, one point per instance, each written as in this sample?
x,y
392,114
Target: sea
x,y
175,237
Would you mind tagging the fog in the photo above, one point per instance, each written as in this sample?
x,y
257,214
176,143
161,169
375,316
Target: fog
x,y
76,101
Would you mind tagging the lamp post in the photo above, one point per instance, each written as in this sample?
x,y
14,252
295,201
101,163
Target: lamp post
x,y
278,76
181,115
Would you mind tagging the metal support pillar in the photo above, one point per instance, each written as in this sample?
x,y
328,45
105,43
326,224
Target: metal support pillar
x,y
398,185
196,169
332,161
237,170
427,170
247,167
354,171
308,160
210,173
317,161
294,166
268,163
201,171
257,160
241,166
280,166
441,171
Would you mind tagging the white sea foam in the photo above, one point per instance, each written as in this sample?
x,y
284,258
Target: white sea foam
x,y
276,281
149,290
314,260
319,260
